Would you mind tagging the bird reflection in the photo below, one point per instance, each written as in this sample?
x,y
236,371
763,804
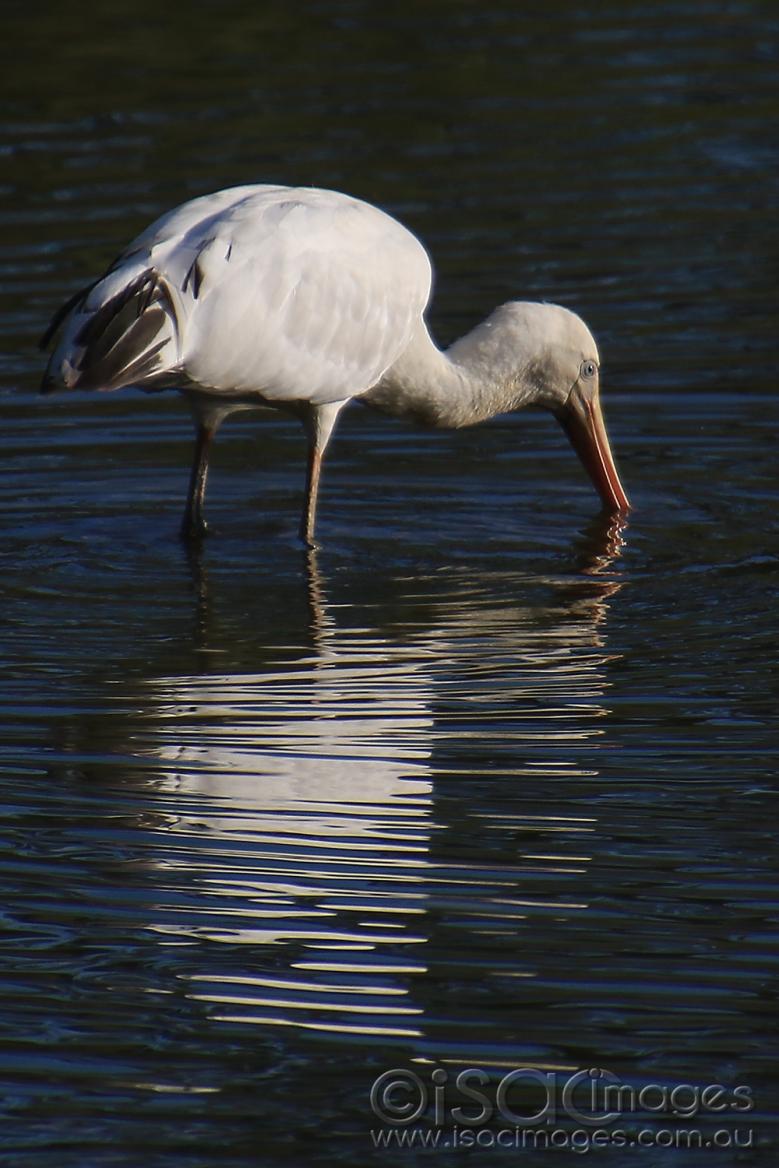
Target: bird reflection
x,y
601,544
304,794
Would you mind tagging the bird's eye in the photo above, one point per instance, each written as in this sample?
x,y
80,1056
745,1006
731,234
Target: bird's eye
x,y
589,369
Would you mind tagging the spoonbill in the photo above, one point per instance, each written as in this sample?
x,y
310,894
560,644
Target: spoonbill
x,y
301,299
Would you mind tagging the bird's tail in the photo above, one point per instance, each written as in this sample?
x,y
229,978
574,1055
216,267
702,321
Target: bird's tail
x,y
117,331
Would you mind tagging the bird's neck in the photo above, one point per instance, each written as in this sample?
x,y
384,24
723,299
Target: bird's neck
x,y
466,384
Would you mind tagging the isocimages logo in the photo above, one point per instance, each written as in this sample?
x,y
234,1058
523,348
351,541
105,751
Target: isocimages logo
x,y
527,1097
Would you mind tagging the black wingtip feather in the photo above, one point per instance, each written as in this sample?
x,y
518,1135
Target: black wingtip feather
x,y
99,320
106,366
119,342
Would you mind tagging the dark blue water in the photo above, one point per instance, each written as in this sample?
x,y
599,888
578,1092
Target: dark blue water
x,y
488,782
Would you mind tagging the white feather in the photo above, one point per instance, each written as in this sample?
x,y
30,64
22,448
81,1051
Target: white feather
x,y
299,295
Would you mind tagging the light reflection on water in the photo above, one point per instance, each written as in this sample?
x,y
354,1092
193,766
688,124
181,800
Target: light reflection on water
x,y
306,816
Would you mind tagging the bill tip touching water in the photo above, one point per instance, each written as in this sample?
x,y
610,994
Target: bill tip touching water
x,y
300,300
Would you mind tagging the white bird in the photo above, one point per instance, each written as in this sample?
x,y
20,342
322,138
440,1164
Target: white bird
x,y
301,299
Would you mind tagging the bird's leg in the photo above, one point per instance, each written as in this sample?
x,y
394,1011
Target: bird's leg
x,y
193,525
308,518
207,414
319,422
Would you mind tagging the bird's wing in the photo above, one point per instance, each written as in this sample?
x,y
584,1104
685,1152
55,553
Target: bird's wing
x,y
295,294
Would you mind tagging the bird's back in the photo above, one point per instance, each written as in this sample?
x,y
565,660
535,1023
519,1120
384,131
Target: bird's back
x,y
292,294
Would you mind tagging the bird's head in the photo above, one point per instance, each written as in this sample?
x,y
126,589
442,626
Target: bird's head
x,y
557,366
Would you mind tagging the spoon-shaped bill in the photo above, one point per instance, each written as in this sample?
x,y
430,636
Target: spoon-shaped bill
x,y
583,422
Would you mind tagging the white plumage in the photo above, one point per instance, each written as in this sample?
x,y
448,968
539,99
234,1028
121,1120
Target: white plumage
x,y
301,299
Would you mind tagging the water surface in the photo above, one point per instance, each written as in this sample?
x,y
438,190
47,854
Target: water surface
x,y
489,781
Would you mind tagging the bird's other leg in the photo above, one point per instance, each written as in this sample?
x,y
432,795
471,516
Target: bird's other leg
x,y
206,414
193,525
319,422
